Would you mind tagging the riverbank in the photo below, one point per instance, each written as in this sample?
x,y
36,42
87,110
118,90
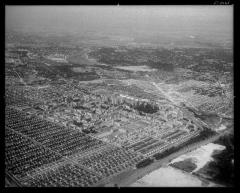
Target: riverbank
x,y
171,177
129,177
201,156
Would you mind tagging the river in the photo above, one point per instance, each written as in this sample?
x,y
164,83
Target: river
x,y
172,177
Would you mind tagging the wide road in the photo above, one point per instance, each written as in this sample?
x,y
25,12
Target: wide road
x,y
131,176
164,93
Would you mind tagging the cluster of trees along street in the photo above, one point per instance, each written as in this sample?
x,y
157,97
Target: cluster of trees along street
x,y
144,163
143,107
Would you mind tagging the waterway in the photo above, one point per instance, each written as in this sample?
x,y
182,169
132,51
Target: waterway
x,y
171,177
168,177
200,156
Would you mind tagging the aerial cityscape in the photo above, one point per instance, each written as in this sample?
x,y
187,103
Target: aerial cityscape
x,y
119,96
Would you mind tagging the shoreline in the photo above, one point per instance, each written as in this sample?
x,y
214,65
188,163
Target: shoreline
x,y
129,177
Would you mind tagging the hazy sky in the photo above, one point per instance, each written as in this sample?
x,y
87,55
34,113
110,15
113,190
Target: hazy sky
x,y
152,19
